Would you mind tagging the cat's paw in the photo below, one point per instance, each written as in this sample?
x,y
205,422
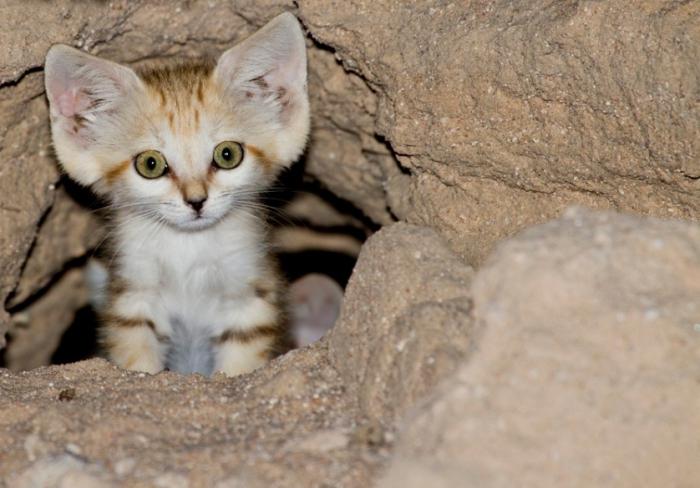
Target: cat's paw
x,y
134,347
145,365
233,358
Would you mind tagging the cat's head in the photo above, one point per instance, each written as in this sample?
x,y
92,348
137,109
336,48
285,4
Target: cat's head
x,y
183,144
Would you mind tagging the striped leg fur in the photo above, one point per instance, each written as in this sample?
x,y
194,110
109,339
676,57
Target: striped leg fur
x,y
133,344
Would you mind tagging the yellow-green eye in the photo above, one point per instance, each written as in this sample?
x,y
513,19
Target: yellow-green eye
x,y
228,155
151,164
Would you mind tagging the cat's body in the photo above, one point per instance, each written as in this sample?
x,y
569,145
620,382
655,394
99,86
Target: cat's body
x,y
181,152
207,293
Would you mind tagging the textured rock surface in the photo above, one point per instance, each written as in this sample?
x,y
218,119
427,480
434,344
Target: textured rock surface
x,y
505,112
405,323
475,119
38,329
587,373
287,425
576,349
576,353
27,177
66,233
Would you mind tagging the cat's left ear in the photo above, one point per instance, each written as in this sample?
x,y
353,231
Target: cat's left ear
x,y
268,70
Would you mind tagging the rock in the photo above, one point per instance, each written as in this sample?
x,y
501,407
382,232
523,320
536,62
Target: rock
x,y
504,113
27,177
405,321
587,371
65,471
344,152
572,357
530,109
37,330
284,425
66,233
323,441
50,287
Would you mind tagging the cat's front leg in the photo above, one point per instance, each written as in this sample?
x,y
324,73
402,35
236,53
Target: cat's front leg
x,y
128,334
132,344
256,333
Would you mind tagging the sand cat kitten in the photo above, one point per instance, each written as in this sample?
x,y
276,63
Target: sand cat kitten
x,y
181,151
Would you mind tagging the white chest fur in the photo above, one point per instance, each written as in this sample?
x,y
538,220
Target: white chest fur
x,y
202,279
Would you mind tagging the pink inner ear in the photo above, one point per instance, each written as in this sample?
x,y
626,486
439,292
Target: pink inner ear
x,y
72,102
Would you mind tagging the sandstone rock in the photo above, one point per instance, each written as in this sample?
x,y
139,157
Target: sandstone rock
x,y
36,331
50,287
503,112
284,425
66,233
405,321
344,152
530,108
575,350
27,177
587,372
63,471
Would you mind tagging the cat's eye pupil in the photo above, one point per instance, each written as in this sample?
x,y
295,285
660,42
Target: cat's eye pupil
x,y
151,163
226,154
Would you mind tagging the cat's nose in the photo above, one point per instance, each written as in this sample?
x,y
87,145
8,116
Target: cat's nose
x,y
197,203
194,193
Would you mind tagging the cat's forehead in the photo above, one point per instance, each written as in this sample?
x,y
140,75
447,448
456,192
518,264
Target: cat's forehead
x,y
177,85
182,94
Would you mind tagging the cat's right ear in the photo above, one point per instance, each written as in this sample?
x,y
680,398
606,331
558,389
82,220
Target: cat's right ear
x,y
85,96
268,71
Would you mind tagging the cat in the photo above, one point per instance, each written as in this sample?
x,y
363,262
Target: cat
x,y
181,151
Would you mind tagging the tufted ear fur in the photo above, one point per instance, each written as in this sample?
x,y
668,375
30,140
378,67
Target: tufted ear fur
x,y
87,99
268,71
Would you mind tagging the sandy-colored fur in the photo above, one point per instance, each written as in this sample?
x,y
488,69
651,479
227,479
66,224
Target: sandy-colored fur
x,y
191,289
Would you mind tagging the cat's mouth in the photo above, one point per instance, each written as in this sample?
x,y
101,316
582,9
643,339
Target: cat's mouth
x,y
198,222
191,220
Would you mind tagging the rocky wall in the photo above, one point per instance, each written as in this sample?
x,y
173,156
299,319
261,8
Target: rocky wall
x,y
568,357
476,118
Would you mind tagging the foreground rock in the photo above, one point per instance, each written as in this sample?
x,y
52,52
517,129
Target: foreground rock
x,y
405,322
571,359
588,370
288,425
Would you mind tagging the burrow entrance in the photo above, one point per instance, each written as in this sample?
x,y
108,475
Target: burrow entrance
x,y
313,232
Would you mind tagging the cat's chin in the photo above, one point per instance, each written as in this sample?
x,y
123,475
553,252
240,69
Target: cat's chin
x,y
195,225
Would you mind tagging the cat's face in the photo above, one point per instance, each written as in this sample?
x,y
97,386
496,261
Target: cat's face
x,y
192,152
182,144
